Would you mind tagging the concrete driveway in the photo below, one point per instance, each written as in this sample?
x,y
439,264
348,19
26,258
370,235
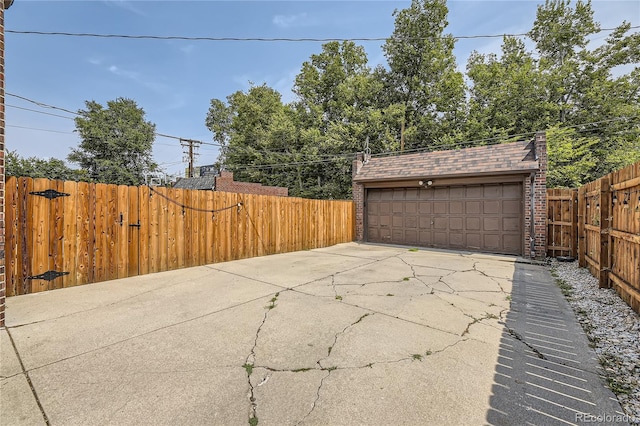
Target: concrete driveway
x,y
350,334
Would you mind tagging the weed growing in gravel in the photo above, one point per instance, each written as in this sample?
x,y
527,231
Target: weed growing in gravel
x,y
565,288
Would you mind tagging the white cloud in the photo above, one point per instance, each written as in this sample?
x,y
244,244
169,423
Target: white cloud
x,y
126,5
290,21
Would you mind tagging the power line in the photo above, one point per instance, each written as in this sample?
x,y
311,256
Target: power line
x,y
41,104
268,39
40,130
39,112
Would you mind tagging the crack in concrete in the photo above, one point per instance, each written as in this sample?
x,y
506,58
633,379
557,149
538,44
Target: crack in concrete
x,y
315,402
337,335
477,320
251,359
492,278
518,337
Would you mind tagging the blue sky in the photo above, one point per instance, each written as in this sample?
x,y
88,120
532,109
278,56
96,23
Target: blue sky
x,y
175,80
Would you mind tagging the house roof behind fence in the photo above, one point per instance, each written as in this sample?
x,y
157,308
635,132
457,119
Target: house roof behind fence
x,y
203,182
504,158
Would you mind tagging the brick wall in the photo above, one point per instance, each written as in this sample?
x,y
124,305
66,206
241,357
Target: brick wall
x,y
540,198
3,283
225,183
358,197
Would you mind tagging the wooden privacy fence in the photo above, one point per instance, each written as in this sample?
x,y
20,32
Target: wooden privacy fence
x,y
63,234
609,232
562,222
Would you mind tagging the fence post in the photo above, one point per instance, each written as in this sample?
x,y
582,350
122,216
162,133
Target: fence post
x,y
605,227
582,213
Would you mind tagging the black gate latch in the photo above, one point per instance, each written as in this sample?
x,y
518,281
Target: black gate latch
x,y
48,276
50,194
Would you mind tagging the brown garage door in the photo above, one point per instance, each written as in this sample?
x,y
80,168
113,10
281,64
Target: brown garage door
x,y
484,218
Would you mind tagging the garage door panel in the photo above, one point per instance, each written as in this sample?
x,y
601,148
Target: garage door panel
x,y
491,207
491,224
410,221
512,190
456,207
440,223
440,207
472,224
511,224
511,207
424,207
477,217
456,240
455,223
474,240
425,222
473,207
511,243
411,237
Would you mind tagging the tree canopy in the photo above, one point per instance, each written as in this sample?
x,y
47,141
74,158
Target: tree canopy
x,y
587,98
116,142
34,167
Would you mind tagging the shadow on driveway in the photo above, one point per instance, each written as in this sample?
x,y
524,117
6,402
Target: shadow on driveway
x,y
546,373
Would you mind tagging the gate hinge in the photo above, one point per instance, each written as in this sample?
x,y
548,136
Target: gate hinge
x,y
48,276
50,194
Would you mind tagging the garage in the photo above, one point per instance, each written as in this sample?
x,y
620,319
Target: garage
x,y
485,218
489,199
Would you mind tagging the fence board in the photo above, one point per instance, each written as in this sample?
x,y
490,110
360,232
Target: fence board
x,y
88,233
609,231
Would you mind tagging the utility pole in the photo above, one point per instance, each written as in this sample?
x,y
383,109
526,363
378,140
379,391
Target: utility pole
x,y
191,146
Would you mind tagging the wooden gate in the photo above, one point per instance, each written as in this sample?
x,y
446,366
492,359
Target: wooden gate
x,y
562,222
58,235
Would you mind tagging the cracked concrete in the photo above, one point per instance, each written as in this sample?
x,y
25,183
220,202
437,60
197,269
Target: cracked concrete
x,y
350,334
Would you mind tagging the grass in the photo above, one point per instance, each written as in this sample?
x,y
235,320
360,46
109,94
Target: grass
x,y
565,288
253,421
427,353
413,249
338,297
272,302
300,370
248,368
405,279
417,357
389,294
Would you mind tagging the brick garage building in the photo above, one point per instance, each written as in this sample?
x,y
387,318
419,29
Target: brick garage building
x,y
487,199
225,183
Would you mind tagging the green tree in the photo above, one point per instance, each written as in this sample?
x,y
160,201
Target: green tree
x,y
505,96
116,142
422,77
34,167
586,89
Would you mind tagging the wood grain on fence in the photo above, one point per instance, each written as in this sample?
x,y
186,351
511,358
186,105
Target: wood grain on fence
x,y
98,232
562,222
609,232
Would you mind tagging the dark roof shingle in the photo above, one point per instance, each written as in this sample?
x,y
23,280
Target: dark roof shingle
x,y
203,182
504,158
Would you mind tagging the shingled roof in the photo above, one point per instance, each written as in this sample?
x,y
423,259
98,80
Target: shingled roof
x,y
507,158
202,182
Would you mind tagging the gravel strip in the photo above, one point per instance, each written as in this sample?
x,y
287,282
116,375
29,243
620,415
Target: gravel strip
x,y
613,329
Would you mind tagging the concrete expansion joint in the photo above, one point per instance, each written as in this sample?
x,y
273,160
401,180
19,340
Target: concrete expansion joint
x,y
28,378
